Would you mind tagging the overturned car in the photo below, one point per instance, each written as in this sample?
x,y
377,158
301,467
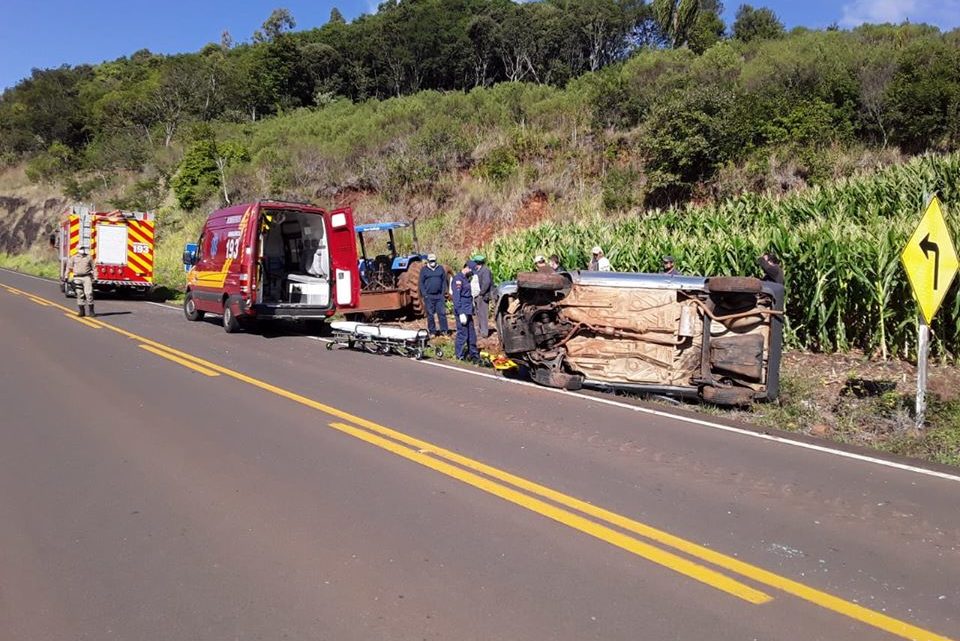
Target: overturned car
x,y
719,339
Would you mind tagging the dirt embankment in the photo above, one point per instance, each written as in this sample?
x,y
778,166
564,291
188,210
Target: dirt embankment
x,y
25,222
28,212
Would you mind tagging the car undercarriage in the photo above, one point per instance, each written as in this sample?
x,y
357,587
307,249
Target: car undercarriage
x,y
716,338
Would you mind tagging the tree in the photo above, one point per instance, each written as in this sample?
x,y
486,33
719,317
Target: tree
x,y
708,28
227,154
675,19
924,96
757,24
280,21
876,74
47,108
336,17
179,94
483,33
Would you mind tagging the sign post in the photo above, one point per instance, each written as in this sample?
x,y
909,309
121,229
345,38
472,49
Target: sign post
x,y
923,349
931,264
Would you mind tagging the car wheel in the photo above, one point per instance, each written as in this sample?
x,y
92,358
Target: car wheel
x,y
230,322
190,308
734,285
542,281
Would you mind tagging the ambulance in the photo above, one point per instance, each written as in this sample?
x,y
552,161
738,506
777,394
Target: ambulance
x,y
272,260
121,243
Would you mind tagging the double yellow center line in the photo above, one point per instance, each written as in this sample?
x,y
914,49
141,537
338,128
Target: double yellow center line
x,y
657,546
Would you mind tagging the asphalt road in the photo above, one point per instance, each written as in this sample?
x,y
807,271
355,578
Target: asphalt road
x,y
164,480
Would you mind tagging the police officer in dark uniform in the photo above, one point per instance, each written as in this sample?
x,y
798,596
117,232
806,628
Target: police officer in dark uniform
x,y
466,342
433,288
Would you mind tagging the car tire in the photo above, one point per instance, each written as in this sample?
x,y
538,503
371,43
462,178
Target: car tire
x,y
231,324
734,285
542,281
190,310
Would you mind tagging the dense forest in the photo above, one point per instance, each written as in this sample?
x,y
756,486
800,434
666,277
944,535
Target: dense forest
x,y
668,90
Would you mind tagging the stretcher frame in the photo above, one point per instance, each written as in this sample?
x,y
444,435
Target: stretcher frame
x,y
371,337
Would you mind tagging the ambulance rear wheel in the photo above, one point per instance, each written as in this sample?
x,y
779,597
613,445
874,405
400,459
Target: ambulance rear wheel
x,y
190,308
230,322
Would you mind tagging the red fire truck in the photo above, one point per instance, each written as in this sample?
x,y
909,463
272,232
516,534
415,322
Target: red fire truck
x,y
120,242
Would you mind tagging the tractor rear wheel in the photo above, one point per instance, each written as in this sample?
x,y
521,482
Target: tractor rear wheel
x,y
410,281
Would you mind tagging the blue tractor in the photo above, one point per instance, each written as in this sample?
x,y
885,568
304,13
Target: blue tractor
x,y
390,280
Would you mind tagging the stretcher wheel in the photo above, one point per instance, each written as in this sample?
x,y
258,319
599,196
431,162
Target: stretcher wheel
x,y
418,354
438,352
330,346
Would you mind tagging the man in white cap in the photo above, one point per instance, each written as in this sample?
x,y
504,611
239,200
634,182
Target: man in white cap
x,y
83,267
433,287
540,263
599,263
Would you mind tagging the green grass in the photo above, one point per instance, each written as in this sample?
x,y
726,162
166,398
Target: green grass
x,y
174,230
940,439
31,263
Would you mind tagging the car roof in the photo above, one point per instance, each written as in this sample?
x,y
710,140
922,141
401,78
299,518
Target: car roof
x,y
386,226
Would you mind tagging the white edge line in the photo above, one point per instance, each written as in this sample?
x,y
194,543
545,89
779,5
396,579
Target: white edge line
x,y
702,423
13,271
172,308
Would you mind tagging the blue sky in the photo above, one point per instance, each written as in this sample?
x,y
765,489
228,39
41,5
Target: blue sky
x,y
48,33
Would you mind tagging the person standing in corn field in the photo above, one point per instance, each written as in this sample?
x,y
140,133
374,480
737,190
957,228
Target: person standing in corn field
x,y
481,298
669,267
554,263
599,263
540,264
770,265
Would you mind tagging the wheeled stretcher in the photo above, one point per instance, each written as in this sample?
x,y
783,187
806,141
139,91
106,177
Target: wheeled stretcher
x,y
382,339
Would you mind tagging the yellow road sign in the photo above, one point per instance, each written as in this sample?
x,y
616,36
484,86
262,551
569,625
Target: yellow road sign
x,y
930,260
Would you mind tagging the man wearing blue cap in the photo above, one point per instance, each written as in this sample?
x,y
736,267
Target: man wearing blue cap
x,y
466,343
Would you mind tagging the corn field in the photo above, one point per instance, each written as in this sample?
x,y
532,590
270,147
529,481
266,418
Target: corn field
x,y
839,245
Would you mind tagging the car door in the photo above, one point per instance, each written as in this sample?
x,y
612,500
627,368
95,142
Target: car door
x,y
345,280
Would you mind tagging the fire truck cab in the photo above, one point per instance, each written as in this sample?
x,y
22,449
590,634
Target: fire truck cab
x,y
272,260
120,242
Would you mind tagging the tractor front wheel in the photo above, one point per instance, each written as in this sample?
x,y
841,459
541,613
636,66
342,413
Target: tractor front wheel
x,y
410,282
